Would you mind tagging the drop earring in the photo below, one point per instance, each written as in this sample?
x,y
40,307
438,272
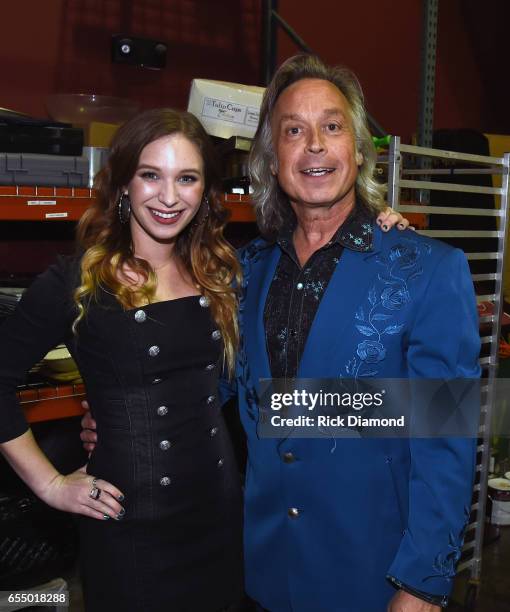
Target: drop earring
x,y
124,208
203,213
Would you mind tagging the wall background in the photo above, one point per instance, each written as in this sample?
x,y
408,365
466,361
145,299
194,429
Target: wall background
x,y
63,46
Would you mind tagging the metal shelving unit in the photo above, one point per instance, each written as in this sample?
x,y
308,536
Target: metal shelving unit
x,y
489,324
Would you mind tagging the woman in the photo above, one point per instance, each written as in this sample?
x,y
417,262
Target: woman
x,y
148,312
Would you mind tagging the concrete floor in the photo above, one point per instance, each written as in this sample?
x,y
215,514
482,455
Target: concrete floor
x,y
494,591
495,588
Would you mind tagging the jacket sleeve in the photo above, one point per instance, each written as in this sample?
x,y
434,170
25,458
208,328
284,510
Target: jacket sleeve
x,y
444,343
42,319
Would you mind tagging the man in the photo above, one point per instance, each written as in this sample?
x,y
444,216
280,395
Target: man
x,y
360,525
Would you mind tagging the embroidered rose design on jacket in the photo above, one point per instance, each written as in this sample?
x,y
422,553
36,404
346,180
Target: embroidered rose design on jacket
x,y
378,319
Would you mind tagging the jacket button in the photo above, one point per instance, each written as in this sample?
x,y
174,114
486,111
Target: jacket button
x,y
140,316
213,431
288,457
204,301
220,462
165,445
216,335
153,351
299,286
211,399
156,381
162,410
165,481
210,367
293,512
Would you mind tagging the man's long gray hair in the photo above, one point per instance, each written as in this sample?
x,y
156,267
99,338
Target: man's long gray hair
x,y
271,204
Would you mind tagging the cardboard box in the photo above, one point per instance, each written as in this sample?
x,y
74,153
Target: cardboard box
x,y
226,109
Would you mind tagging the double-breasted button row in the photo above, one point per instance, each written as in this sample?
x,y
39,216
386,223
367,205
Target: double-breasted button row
x,y
140,316
154,350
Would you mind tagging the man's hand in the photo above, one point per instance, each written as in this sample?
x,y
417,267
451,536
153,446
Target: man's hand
x,y
88,433
388,218
405,602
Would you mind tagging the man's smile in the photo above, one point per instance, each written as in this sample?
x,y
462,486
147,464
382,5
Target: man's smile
x,y
318,171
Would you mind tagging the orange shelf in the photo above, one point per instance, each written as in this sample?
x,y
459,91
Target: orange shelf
x,y
68,204
240,207
50,403
43,203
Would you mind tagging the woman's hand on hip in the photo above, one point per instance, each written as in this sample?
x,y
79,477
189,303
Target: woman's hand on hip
x,y
81,493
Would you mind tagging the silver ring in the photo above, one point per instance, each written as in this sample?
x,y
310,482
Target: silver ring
x,y
94,493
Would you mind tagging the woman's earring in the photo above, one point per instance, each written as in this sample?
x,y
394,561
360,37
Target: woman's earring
x,y
203,213
124,208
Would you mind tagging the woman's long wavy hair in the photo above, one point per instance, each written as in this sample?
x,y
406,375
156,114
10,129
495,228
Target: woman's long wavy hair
x,y
271,204
201,248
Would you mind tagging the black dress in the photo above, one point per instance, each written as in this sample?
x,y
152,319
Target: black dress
x,y
151,376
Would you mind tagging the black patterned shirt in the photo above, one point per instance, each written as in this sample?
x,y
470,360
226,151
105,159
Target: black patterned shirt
x,y
296,292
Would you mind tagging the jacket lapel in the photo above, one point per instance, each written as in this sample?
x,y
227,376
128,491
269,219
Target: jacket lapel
x,y
334,322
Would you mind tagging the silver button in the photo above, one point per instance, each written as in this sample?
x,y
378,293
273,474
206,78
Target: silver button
x,y
154,351
210,367
288,457
216,335
140,316
162,410
211,399
165,444
165,481
299,286
204,301
293,512
220,462
156,381
213,432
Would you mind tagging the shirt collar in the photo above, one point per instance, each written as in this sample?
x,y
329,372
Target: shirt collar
x,y
356,233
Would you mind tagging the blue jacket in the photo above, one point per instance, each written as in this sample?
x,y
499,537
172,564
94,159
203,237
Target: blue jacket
x,y
368,508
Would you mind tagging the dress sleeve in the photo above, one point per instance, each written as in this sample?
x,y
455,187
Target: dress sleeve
x,y
42,319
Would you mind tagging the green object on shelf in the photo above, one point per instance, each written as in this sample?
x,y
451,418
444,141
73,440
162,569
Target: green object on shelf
x,y
381,143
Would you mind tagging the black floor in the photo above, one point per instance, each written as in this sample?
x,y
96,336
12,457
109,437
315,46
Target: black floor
x,y
493,594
